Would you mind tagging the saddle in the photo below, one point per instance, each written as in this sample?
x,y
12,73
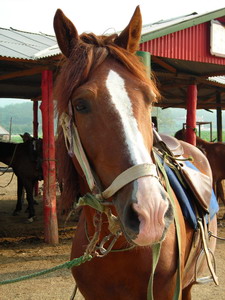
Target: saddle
x,y
198,183
198,213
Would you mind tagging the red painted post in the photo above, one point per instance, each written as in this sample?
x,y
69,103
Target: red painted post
x,y
49,193
191,114
35,133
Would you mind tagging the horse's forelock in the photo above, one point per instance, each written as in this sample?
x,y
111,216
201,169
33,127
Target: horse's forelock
x,y
87,55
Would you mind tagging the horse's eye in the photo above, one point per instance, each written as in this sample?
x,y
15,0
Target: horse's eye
x,y
82,106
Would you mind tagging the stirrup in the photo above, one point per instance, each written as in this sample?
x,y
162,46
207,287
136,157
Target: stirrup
x,y
211,263
209,278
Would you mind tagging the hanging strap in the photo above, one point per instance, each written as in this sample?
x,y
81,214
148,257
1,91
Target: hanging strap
x,y
155,258
177,293
207,253
74,147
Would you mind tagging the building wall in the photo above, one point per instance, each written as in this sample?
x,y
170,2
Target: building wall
x,y
191,44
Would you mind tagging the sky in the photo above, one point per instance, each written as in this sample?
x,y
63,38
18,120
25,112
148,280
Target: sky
x,y
97,16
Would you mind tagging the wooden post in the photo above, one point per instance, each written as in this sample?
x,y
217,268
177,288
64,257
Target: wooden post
x,y
219,118
49,193
35,134
191,114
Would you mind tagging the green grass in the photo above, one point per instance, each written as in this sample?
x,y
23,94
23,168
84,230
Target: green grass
x,y
205,135
16,139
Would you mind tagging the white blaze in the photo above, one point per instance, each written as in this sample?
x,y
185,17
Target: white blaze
x,y
121,101
150,204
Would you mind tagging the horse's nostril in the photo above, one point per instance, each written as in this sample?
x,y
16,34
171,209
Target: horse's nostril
x,y
131,221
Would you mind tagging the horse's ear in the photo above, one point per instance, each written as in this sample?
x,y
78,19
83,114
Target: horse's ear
x,y
66,33
129,38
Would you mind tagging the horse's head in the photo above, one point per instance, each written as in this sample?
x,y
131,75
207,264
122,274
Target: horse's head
x,y
181,134
110,96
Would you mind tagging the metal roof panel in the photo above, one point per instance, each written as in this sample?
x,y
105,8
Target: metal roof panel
x,y
24,45
161,28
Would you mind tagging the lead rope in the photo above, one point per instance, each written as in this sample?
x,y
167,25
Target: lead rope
x,y
74,147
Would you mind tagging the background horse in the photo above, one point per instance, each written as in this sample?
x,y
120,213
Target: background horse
x,y
215,152
24,164
105,134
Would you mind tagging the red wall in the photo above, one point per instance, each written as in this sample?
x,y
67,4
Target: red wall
x,y
189,44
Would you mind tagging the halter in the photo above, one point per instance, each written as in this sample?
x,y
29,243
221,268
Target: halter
x,y
75,148
96,199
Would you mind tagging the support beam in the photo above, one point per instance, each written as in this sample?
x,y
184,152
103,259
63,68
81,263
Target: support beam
x,y
22,73
191,114
219,118
49,193
163,64
35,133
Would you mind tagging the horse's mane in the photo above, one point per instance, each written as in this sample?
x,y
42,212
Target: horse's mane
x,y
88,53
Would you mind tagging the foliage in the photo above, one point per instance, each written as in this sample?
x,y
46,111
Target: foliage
x,y
21,116
171,120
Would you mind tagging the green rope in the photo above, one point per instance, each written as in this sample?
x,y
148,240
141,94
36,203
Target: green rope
x,y
177,291
91,200
155,258
69,264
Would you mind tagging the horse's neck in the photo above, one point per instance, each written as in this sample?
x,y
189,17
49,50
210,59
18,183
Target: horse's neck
x,y
6,152
203,144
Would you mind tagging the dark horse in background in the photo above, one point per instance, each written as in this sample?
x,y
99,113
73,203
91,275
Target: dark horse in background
x,y
215,152
26,165
105,136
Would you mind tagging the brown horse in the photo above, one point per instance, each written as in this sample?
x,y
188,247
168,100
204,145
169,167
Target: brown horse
x,y
215,152
105,135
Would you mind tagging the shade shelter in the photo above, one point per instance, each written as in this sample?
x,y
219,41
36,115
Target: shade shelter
x,y
188,55
185,58
27,64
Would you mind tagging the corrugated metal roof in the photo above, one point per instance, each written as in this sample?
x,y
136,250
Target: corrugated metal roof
x,y
32,46
219,79
25,45
164,27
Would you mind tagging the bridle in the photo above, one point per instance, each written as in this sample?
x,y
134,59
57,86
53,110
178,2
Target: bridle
x,y
97,198
75,148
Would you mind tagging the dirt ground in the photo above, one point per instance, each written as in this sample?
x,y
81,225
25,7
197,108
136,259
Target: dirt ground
x,y
23,251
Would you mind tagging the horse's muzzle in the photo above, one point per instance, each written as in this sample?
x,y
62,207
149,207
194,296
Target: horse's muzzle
x,y
144,210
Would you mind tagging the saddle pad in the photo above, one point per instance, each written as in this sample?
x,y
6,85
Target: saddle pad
x,y
187,199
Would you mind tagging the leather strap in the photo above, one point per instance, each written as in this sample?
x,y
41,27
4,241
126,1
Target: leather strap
x,y
74,147
177,293
128,176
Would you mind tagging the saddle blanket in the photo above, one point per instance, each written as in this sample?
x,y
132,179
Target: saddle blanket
x,y
187,199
